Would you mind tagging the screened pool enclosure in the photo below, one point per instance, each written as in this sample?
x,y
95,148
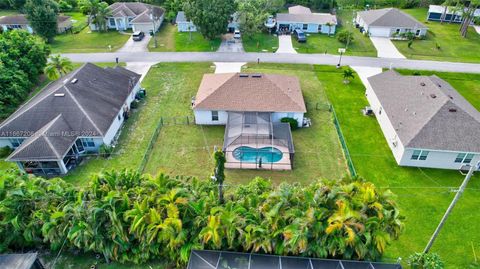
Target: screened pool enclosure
x,y
253,141
206,259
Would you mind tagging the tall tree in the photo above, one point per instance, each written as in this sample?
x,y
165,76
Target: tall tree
x,y
57,67
219,172
17,4
97,12
42,16
445,5
253,13
210,16
468,16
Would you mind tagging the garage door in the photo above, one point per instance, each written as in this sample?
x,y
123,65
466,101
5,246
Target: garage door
x,y
379,31
142,27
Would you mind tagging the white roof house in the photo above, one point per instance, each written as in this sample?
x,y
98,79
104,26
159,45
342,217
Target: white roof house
x,y
425,121
389,22
300,17
435,13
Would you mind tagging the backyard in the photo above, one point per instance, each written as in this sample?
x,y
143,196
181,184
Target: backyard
x,y
453,47
169,39
322,43
423,194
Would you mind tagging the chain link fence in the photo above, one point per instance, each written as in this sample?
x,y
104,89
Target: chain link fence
x,y
351,167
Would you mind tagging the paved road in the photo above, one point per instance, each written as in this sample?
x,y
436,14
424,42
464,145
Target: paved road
x,y
155,57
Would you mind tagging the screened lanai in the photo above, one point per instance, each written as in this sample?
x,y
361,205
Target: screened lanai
x,y
207,259
253,141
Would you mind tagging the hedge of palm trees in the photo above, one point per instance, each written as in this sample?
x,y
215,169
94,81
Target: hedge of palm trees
x,y
126,216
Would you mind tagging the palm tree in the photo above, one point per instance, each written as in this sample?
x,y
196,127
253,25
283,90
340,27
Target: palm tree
x,y
348,75
103,13
57,67
219,173
97,12
445,4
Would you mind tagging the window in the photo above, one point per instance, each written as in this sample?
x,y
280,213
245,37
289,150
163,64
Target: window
x,y
305,27
419,155
417,33
119,117
214,115
16,142
464,158
79,145
398,31
112,22
130,21
88,142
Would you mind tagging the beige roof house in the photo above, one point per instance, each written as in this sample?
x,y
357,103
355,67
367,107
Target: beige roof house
x,y
250,93
20,22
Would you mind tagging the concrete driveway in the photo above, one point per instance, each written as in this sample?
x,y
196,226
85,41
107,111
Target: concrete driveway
x,y
221,68
285,44
230,44
385,48
365,72
136,46
139,68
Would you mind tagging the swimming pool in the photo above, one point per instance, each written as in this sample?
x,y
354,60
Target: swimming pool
x,y
253,155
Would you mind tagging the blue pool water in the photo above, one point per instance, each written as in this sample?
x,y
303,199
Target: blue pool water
x,y
253,155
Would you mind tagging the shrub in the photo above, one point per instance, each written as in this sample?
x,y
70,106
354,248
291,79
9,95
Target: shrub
x,y
425,261
64,6
134,104
105,150
344,35
411,4
293,122
5,151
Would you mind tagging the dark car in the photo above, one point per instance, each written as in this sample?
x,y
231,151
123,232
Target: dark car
x,y
300,35
138,36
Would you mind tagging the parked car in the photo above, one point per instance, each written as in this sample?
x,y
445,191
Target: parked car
x,y
237,34
138,36
300,35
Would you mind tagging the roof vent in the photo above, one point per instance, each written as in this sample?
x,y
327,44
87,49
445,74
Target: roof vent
x,y
243,75
450,97
74,81
422,84
439,85
256,75
59,95
433,96
452,109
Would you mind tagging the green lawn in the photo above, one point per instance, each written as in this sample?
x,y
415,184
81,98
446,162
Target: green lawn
x,y
262,42
88,41
79,19
169,39
7,12
423,194
453,47
187,149
321,43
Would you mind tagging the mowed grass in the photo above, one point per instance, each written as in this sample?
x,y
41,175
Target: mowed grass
x,y
170,40
88,41
8,12
453,47
261,42
187,149
322,43
423,194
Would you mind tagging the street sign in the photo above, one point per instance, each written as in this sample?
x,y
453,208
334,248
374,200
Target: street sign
x,y
342,50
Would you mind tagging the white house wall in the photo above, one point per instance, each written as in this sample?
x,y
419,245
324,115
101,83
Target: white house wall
x,y
277,116
436,159
311,27
186,27
204,117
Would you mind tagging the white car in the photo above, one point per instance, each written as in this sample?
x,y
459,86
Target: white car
x,y
237,34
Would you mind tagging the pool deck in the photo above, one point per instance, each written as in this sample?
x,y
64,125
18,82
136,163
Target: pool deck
x,y
283,164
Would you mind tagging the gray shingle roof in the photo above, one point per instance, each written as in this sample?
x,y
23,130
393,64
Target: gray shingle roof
x,y
86,108
17,261
318,18
140,11
22,20
181,17
389,17
427,112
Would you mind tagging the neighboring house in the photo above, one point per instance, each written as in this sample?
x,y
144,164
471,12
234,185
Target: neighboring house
x,y
435,13
134,15
13,22
300,17
425,121
388,22
252,106
70,117
233,23
20,261
184,24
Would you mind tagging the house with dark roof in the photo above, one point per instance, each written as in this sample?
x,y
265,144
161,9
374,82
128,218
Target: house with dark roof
x,y
134,15
388,22
425,121
20,22
70,117
300,17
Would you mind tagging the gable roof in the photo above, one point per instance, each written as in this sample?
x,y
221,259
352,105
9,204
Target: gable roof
x,y
427,112
141,12
254,93
389,17
64,110
17,261
21,19
298,9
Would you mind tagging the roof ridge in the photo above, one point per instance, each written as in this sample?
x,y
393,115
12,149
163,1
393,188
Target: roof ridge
x,y
233,74
83,110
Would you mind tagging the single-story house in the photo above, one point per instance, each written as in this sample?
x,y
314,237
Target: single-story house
x,y
233,23
425,121
388,22
252,106
435,13
13,22
184,24
70,117
300,17
134,15
20,261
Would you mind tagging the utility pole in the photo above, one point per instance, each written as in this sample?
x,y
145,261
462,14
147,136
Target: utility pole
x,y
451,206
153,31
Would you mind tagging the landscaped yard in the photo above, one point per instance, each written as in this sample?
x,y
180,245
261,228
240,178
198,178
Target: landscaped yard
x,y
79,20
262,42
7,12
423,194
453,47
88,41
321,43
169,39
